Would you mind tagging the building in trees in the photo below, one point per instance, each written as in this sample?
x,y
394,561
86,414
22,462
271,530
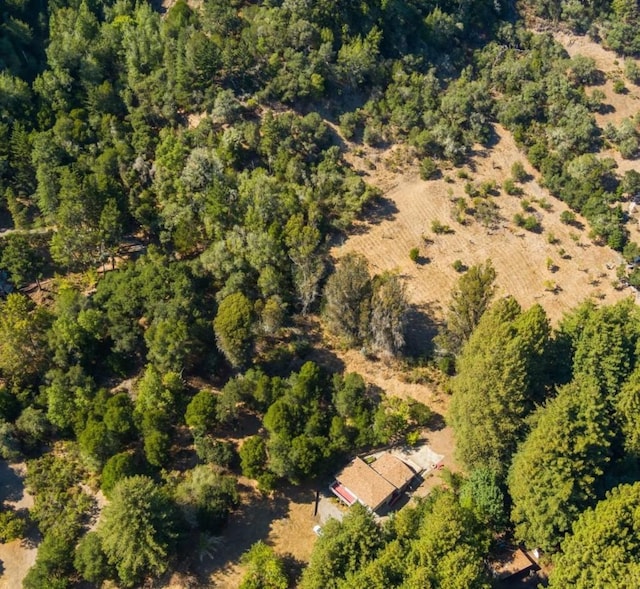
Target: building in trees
x,y
374,485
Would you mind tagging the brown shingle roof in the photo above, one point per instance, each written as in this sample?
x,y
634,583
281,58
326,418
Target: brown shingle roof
x,y
364,482
393,470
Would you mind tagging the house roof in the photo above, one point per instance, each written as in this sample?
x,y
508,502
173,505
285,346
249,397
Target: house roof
x,y
365,483
393,470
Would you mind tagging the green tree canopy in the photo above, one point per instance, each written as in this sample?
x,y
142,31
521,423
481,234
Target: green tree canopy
x,y
603,547
207,497
23,326
233,328
555,471
389,308
201,412
469,301
90,560
347,297
265,570
138,530
494,391
343,548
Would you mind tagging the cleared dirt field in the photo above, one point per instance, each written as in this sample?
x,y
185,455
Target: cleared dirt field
x,y
520,257
16,557
623,105
284,521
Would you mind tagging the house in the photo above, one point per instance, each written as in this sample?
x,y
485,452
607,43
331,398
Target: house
x,y
374,485
512,564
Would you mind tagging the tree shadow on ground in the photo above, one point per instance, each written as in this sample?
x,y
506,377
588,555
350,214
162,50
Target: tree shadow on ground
x,y
531,581
378,210
317,350
327,359
436,422
606,109
250,523
11,485
293,568
247,424
32,537
420,331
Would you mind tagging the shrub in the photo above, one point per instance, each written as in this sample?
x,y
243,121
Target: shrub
x,y
632,71
486,212
372,135
531,223
348,124
518,172
12,526
413,438
488,187
618,86
459,209
544,204
584,70
428,169
634,278
629,147
471,189
414,254
215,451
458,266
528,222
511,188
631,251
440,228
116,468
568,217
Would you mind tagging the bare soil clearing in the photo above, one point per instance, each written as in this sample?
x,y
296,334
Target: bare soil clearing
x,y
285,522
519,256
16,557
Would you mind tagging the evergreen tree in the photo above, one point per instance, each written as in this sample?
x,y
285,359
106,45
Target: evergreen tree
x,y
490,392
233,328
347,300
265,569
138,530
556,470
469,301
603,547
389,307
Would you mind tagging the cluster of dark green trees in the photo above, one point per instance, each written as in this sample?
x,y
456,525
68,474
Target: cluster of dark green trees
x,y
438,543
553,415
310,422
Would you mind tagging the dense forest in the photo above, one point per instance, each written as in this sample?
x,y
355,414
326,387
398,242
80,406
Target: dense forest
x,y
171,181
